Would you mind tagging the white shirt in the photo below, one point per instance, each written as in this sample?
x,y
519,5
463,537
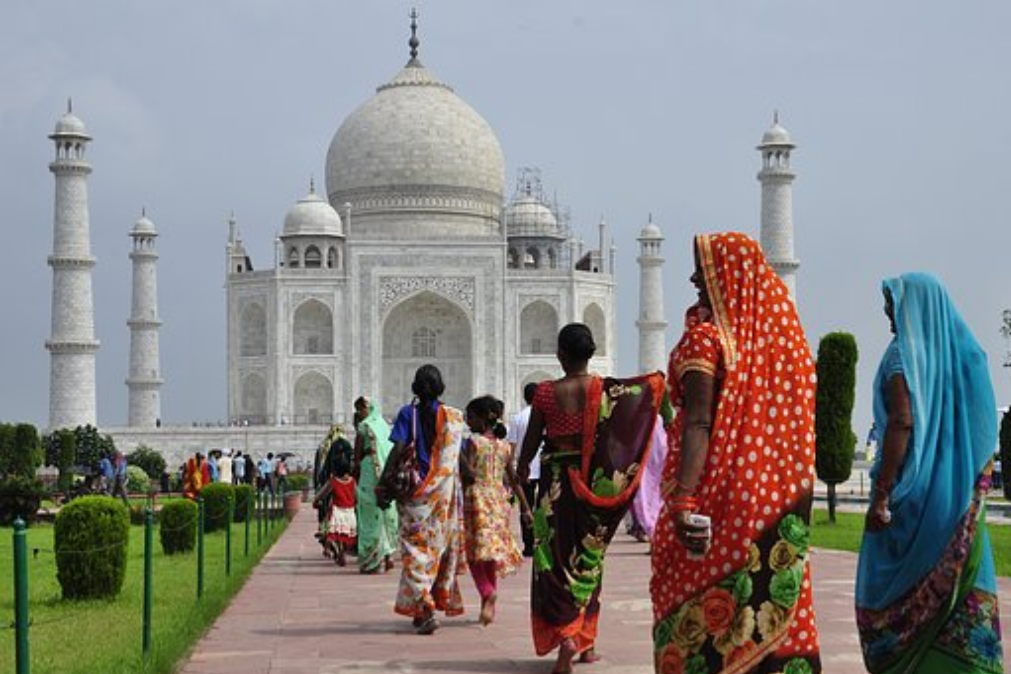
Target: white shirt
x,y
518,431
225,469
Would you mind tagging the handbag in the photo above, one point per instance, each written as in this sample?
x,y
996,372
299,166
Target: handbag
x,y
406,476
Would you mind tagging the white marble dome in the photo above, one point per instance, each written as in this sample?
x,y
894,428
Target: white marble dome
x,y
312,215
70,125
776,135
527,215
144,227
650,231
415,143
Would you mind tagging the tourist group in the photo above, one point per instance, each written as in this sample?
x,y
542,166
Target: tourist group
x,y
715,461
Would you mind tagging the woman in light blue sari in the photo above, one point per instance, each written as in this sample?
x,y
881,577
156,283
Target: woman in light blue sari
x,y
926,593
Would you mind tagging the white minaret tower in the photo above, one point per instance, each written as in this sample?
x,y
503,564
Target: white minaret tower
x,y
651,323
72,345
144,380
777,177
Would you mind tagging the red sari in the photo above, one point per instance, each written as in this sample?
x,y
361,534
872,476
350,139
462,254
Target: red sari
x,y
746,606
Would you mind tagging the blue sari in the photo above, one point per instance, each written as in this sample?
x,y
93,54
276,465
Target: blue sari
x,y
926,594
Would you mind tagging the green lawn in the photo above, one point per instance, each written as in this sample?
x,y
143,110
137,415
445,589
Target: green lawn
x,y
845,534
87,637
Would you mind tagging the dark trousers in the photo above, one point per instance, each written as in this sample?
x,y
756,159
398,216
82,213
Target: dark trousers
x,y
532,491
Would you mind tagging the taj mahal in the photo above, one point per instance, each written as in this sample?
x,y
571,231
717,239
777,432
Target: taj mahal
x,y
415,250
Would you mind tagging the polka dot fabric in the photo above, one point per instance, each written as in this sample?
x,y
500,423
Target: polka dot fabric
x,y
759,471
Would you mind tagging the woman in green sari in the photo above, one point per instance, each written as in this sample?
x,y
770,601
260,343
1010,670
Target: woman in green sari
x,y
377,528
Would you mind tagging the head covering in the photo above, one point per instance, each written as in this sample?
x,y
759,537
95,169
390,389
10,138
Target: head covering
x,y
954,436
760,463
764,424
379,430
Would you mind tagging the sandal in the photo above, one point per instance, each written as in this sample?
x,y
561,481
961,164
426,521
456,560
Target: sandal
x,y
428,626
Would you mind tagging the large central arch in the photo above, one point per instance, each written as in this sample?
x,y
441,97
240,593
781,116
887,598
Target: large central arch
x,y
426,328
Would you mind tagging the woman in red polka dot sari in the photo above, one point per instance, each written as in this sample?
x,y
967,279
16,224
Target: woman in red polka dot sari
x,y
735,595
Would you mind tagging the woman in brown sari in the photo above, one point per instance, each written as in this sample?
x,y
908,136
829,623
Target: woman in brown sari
x,y
596,433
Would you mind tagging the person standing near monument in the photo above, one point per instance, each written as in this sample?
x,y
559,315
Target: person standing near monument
x,y
517,431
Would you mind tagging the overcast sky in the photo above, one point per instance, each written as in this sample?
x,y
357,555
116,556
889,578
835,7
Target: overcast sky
x,y
901,113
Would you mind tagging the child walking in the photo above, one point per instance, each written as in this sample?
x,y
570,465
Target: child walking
x,y
342,525
485,464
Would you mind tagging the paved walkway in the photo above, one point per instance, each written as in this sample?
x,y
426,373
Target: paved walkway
x,y
300,614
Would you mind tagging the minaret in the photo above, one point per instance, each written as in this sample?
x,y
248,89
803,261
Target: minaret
x,y
72,345
651,323
777,177
144,380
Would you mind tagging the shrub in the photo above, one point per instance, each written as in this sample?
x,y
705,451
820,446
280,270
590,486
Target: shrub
x,y
20,497
61,451
1004,442
244,494
835,440
20,450
217,499
177,527
137,480
297,482
90,537
151,461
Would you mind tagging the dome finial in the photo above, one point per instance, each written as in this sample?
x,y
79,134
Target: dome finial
x,y
143,211
312,184
775,116
414,42
70,105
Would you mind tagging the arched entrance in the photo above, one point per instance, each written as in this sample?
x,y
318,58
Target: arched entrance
x,y
426,328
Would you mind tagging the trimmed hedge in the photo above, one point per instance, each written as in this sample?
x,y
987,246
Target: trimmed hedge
x,y
218,497
244,494
177,528
20,497
90,537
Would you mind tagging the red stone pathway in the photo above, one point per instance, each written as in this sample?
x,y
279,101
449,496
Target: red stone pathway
x,y
300,614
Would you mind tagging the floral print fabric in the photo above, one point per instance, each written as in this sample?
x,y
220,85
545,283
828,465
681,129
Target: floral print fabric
x,y
757,483
431,531
486,508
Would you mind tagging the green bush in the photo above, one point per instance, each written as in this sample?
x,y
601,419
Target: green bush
x,y
90,538
297,482
217,499
61,452
20,450
137,481
20,497
833,419
177,526
244,494
92,445
151,461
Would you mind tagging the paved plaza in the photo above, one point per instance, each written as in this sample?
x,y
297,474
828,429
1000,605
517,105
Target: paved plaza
x,y
300,614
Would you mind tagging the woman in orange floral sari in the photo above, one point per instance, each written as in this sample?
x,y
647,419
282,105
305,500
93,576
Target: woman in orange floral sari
x,y
734,595
431,524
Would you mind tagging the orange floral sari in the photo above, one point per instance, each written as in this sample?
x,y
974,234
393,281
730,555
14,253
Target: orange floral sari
x,y
746,606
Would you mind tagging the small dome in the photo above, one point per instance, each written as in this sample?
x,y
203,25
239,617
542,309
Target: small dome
x,y
70,125
776,135
529,217
314,216
650,231
145,227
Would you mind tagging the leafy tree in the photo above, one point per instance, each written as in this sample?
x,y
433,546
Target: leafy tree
x,y
151,461
836,367
91,446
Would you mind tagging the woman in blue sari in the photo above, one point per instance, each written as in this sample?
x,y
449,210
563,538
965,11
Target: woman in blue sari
x,y
926,593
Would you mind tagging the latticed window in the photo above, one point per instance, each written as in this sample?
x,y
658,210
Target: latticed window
x,y
423,343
